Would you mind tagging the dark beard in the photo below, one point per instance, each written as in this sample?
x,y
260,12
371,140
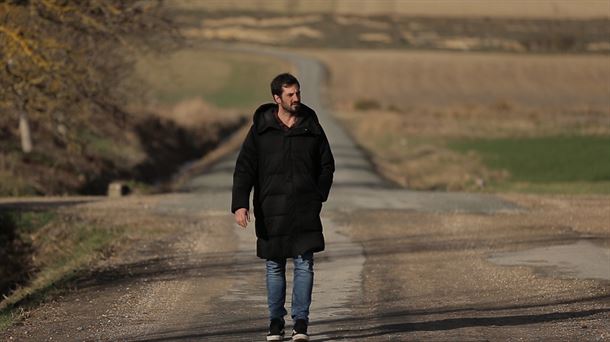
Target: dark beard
x,y
290,110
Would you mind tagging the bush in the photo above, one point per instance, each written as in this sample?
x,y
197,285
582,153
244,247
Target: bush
x,y
367,104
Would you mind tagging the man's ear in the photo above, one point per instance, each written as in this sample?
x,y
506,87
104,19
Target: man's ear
x,y
277,99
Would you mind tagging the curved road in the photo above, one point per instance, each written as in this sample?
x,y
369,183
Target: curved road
x,y
239,314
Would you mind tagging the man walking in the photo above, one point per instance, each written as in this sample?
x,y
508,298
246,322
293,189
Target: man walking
x,y
287,159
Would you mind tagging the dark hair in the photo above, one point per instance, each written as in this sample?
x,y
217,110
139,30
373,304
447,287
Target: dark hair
x,y
282,80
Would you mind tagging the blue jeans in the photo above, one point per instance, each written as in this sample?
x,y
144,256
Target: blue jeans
x,y
301,288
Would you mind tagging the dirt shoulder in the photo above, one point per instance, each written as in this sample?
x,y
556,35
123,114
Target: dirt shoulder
x,y
149,273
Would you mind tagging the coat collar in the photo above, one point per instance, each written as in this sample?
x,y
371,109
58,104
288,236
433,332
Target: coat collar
x,y
264,119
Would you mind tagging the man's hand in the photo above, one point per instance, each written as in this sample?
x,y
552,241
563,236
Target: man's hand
x,y
242,217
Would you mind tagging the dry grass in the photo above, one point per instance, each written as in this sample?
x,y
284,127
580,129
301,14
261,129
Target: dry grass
x,y
459,8
408,148
222,78
413,79
169,72
253,35
195,112
72,241
261,22
426,99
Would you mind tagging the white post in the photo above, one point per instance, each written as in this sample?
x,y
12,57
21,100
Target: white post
x,y
24,132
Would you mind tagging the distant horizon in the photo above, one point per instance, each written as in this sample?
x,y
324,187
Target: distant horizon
x,y
547,9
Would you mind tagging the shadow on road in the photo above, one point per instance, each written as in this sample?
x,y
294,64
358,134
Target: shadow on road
x,y
183,265
42,205
399,322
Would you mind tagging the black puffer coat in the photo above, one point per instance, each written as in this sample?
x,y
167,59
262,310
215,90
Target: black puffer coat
x,y
291,173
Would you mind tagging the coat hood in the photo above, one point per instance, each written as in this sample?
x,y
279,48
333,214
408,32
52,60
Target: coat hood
x,y
264,118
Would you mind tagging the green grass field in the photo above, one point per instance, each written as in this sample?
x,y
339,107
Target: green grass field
x,y
555,164
224,79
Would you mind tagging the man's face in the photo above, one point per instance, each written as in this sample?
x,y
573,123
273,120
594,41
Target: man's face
x,y
290,99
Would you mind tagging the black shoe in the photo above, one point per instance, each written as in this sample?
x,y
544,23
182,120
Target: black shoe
x,y
276,330
299,332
